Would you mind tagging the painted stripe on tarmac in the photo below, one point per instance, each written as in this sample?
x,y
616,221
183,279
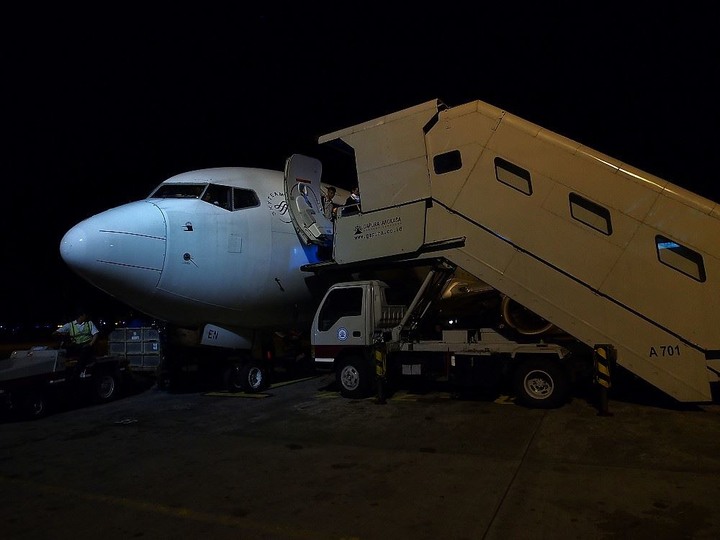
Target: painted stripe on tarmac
x,y
260,394
285,383
236,395
407,396
240,524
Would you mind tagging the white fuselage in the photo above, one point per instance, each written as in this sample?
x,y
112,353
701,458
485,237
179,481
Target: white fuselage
x,y
190,262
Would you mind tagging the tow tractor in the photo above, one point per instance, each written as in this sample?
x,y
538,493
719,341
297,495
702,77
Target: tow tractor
x,y
39,379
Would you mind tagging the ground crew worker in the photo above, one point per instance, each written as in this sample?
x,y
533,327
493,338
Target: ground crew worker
x,y
81,335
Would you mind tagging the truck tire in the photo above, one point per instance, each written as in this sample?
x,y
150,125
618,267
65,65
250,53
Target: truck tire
x,y
105,387
540,383
353,377
33,405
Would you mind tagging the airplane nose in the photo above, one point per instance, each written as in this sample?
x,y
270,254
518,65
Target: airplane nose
x,y
121,250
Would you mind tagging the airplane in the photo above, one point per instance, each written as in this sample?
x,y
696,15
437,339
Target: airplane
x,y
214,254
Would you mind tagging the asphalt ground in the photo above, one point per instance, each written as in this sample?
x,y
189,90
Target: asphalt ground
x,y
300,462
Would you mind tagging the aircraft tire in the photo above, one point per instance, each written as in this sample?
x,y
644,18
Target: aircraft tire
x,y
232,379
353,377
254,377
540,383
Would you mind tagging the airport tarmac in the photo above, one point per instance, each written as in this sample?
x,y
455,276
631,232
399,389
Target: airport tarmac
x,y
300,462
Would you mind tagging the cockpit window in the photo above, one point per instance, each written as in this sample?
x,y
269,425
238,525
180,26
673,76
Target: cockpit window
x,y
219,196
178,191
245,198
223,196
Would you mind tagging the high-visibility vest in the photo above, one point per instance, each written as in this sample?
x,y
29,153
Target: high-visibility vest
x,y
81,334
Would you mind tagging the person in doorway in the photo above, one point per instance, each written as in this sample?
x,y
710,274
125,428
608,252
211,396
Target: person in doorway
x,y
80,337
329,207
352,204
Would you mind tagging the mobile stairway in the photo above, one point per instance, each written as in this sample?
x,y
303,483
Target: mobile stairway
x,y
608,253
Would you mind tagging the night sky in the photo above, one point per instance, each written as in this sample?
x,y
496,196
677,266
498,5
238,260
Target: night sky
x,y
101,106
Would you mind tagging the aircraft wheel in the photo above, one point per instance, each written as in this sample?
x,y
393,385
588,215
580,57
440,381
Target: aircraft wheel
x,y
541,384
232,378
254,377
106,387
353,377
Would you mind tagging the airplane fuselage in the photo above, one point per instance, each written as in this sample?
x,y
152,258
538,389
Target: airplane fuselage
x,y
189,261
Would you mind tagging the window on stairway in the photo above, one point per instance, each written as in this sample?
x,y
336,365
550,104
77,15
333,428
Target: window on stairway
x,y
679,257
513,176
447,162
590,213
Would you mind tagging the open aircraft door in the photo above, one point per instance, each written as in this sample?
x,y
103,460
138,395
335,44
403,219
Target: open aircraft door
x,y
304,198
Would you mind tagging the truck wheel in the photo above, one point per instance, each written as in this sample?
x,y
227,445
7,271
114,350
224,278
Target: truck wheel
x,y
541,384
33,405
353,378
106,387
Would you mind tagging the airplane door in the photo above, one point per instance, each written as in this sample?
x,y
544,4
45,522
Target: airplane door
x,y
304,198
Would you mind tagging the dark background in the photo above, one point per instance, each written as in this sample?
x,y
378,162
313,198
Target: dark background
x,y
102,104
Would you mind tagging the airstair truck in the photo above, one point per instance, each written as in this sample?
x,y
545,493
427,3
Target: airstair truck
x,y
606,252
368,342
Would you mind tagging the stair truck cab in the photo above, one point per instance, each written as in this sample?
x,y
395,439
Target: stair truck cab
x,y
365,340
